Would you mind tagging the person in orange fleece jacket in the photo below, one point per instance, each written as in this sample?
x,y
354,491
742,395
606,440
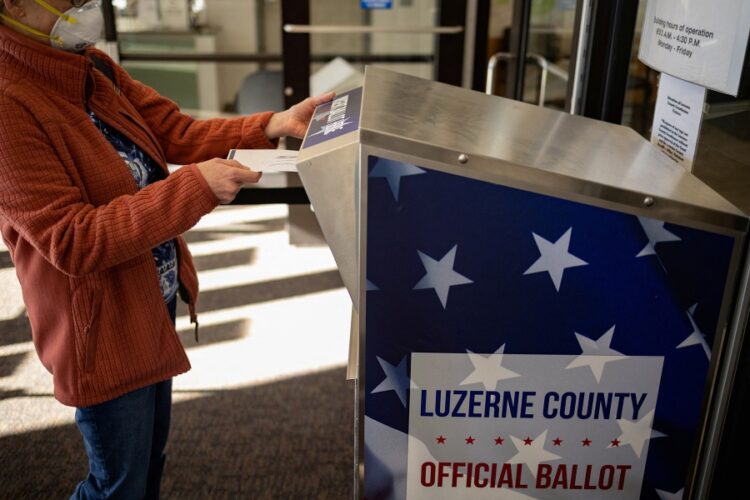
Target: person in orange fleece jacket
x,y
92,219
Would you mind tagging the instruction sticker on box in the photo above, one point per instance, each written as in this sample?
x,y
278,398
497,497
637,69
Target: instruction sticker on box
x,y
335,118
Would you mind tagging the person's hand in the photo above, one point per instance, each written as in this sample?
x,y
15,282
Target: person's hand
x,y
226,177
293,122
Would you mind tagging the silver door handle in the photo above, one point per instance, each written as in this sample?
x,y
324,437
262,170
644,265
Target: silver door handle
x,y
341,29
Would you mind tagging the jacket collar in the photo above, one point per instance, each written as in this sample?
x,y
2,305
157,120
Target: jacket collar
x,y
43,65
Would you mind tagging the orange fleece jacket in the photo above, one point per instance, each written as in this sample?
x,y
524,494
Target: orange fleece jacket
x,y
80,232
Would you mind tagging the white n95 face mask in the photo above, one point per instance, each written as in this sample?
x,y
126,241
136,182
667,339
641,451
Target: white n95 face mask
x,y
75,29
78,27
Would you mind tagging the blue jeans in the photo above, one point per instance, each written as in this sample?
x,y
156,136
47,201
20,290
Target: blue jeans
x,y
125,440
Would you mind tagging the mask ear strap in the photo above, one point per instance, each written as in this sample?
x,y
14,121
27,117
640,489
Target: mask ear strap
x,y
52,10
29,29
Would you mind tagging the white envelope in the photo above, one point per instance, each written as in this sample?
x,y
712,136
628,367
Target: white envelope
x,y
266,160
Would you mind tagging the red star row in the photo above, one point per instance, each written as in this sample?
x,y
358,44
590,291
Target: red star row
x,y
527,442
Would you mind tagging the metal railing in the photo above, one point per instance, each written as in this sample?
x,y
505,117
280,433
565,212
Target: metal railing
x,y
357,29
545,67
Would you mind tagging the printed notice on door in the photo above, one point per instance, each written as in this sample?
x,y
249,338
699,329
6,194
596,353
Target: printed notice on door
x,y
699,41
677,119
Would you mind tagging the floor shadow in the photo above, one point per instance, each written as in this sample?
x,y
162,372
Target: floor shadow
x,y
41,464
15,393
221,260
268,290
10,362
214,334
15,330
220,233
291,439
5,260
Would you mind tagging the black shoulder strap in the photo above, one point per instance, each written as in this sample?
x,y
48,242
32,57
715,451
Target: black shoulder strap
x,y
104,68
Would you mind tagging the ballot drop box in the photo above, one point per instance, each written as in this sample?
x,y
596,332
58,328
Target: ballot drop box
x,y
545,306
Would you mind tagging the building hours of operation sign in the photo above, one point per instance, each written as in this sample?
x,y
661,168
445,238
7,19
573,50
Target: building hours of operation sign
x,y
699,41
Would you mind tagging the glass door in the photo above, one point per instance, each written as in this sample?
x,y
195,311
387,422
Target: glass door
x,y
543,30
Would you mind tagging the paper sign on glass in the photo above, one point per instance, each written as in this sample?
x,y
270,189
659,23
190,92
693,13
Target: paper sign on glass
x,y
699,41
677,119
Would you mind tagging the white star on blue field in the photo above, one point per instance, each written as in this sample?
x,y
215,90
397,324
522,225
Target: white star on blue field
x,y
555,258
696,337
656,233
596,353
440,275
668,495
393,171
396,379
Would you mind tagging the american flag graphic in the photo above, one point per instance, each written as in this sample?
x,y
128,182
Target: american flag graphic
x,y
482,298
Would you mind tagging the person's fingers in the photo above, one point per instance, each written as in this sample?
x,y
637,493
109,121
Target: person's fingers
x,y
247,176
254,176
222,161
236,164
322,98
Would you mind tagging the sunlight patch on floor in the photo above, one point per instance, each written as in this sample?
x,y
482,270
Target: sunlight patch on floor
x,y
238,214
274,261
11,302
283,338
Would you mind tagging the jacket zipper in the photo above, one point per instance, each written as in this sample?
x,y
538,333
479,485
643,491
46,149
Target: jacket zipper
x,y
88,335
152,149
148,133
